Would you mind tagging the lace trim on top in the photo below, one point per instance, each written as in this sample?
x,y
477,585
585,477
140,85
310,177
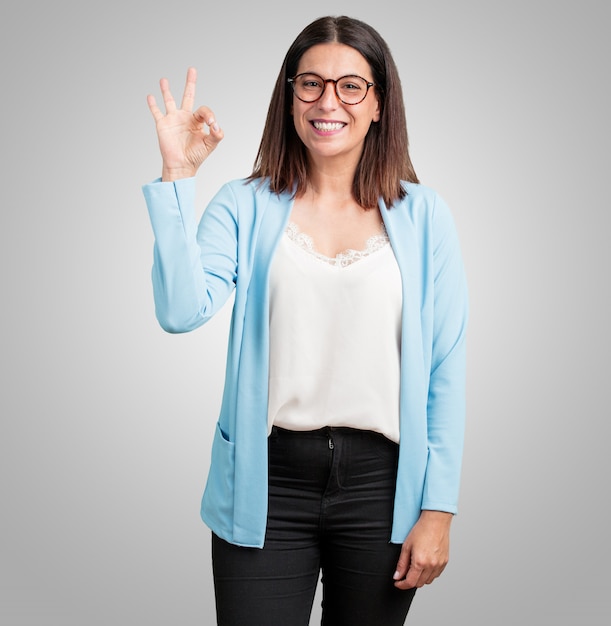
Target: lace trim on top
x,y
342,259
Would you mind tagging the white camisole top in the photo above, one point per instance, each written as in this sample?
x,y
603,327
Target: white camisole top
x,y
335,337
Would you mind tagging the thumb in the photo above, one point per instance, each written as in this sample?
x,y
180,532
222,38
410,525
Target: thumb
x,y
215,135
403,562
204,115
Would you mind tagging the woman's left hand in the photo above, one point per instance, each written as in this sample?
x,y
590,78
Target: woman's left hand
x,y
425,552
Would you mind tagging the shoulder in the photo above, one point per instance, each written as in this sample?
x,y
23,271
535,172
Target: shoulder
x,y
248,194
247,188
248,205
420,203
422,210
421,196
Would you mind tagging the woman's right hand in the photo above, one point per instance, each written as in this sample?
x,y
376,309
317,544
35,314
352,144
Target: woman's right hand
x,y
183,140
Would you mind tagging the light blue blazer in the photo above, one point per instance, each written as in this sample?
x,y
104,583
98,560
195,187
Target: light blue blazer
x,y
197,266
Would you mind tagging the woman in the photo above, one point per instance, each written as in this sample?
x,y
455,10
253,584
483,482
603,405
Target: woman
x,y
339,441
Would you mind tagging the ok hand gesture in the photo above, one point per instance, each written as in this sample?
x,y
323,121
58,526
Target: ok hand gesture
x,y
183,141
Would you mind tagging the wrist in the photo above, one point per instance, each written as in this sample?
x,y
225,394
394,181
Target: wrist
x,y
438,517
169,174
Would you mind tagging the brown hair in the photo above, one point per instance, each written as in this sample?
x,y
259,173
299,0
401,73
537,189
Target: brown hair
x,y
385,159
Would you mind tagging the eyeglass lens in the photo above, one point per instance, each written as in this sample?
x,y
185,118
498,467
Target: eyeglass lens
x,y
349,89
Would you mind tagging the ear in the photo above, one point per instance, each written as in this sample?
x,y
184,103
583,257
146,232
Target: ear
x,y
377,112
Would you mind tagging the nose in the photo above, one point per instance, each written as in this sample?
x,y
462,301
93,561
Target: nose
x,y
328,99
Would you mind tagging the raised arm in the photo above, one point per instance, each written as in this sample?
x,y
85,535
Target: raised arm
x,y
193,268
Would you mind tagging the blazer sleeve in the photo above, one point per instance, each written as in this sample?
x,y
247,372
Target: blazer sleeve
x,y
446,396
194,266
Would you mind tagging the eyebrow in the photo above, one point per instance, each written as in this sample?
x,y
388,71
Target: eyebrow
x,y
370,80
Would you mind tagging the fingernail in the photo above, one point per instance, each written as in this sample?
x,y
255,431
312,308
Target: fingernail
x,y
396,576
215,127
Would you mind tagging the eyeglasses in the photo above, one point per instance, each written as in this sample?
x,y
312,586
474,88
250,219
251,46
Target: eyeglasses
x,y
349,89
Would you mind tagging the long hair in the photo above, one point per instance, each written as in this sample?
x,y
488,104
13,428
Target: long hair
x,y
385,159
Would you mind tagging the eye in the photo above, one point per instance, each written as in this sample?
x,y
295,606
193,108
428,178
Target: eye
x,y
310,82
352,83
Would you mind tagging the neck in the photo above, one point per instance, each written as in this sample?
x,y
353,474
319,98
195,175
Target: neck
x,y
329,182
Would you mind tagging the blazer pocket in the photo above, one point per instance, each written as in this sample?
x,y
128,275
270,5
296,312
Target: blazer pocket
x,y
218,496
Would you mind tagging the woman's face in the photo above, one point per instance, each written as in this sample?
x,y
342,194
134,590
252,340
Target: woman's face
x,y
329,128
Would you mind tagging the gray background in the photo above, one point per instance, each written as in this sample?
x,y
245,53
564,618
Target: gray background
x,y
107,421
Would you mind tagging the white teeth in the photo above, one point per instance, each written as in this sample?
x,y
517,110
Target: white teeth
x,y
328,126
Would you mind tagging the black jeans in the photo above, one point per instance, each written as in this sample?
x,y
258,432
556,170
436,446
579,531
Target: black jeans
x,y
331,497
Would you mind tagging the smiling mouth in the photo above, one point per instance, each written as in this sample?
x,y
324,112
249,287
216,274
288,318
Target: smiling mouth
x,y
328,126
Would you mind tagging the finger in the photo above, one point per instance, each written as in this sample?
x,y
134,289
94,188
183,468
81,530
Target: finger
x,y
168,98
415,577
434,574
188,96
157,114
203,115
